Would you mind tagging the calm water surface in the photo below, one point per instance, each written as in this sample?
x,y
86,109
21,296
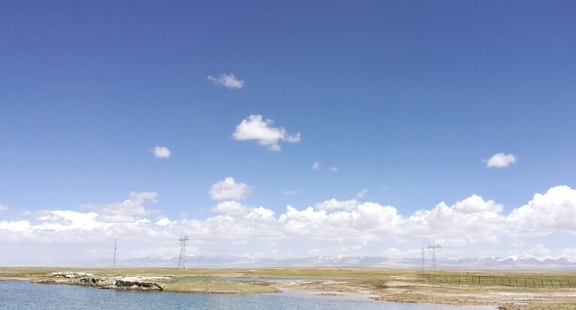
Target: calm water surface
x,y
22,295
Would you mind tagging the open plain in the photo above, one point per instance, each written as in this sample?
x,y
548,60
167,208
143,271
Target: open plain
x,y
380,284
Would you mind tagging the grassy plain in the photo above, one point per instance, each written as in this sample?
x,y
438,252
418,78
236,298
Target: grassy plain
x,y
382,284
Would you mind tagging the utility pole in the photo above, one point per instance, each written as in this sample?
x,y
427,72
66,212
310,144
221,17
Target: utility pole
x,y
114,264
434,247
423,259
182,259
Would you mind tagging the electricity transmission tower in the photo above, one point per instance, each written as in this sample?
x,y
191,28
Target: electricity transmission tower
x,y
423,259
433,248
182,260
114,265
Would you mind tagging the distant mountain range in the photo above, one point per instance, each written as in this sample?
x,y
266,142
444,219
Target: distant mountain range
x,y
225,261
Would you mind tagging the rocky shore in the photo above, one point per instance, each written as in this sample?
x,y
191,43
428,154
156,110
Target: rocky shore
x,y
139,283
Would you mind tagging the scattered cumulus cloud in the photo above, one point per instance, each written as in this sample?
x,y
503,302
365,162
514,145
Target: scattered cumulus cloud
x,y
228,189
161,152
361,194
334,204
255,128
500,160
552,211
332,226
316,166
231,208
227,80
475,204
3,208
129,211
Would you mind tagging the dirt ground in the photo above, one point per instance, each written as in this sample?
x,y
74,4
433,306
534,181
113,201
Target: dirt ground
x,y
504,298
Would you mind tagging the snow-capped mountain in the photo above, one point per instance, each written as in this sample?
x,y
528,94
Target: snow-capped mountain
x,y
225,261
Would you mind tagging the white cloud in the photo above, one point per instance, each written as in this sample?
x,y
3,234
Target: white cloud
x,y
539,250
255,128
329,227
334,169
469,221
15,226
334,204
290,192
161,152
3,208
500,160
361,194
129,211
164,222
228,189
328,253
552,211
316,166
475,204
227,80
231,208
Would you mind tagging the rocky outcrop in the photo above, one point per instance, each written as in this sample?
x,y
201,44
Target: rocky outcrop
x,y
138,283
70,275
101,282
115,283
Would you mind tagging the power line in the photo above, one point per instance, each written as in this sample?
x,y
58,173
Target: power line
x,y
434,247
182,259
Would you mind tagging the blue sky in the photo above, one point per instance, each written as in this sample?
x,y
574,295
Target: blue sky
x,y
407,101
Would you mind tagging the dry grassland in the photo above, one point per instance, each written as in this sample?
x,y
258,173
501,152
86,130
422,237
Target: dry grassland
x,y
381,284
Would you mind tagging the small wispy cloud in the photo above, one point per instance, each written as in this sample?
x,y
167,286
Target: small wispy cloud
x,y
255,128
500,160
361,193
3,208
227,80
161,152
316,166
289,192
334,169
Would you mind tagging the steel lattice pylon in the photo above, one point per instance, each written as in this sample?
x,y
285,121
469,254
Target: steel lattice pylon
x,y
182,260
434,248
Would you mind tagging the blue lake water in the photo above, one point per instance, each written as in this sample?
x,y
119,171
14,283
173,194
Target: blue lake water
x,y
22,295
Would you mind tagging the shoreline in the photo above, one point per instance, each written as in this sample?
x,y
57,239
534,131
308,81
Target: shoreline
x,y
375,284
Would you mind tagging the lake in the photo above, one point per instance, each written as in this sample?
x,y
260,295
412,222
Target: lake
x,y
22,295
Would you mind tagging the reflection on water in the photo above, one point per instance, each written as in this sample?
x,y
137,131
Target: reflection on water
x,y
21,295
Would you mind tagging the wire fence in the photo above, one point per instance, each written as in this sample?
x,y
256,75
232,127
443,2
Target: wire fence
x,y
497,280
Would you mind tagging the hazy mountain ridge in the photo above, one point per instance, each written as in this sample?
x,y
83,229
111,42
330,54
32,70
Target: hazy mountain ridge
x,y
227,261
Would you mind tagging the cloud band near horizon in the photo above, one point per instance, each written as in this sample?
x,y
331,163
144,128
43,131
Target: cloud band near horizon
x,y
467,222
